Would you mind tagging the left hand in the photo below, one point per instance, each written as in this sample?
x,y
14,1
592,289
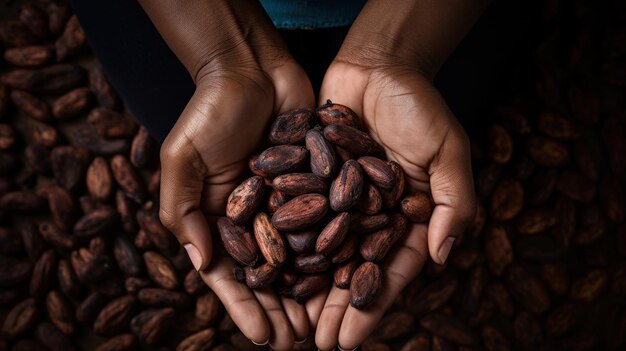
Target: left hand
x,y
405,114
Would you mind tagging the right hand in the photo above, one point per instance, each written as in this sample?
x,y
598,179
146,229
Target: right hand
x,y
202,161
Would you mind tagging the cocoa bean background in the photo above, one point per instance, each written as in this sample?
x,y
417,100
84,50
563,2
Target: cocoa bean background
x,y
86,265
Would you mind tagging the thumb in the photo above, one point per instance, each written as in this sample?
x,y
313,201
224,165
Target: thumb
x,y
453,193
182,179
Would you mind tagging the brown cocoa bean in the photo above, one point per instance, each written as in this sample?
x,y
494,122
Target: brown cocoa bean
x,y
290,127
269,240
55,236
20,319
591,227
45,136
110,124
143,150
257,277
361,223
547,152
245,200
32,241
115,316
498,249
563,318
344,272
32,106
148,219
417,207
347,188
296,184
527,290
309,285
30,56
126,212
128,178
333,234
374,246
434,295
343,155
450,328
7,137
366,285
43,273
35,19
279,160
536,220
54,340
346,250
89,308
378,172
323,159
53,79
72,41
199,341
100,87
122,342
556,126
150,325
126,256
275,199
68,282
238,242
302,242
15,34
163,298
208,308
22,201
500,144
332,113
353,140
501,298
60,312
300,212
90,267
311,264
62,206
589,286
556,277
96,222
86,137
370,202
99,179
133,284
68,165
160,270
507,200
72,104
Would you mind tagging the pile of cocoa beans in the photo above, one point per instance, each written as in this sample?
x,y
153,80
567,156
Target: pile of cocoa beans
x,y
85,263
331,201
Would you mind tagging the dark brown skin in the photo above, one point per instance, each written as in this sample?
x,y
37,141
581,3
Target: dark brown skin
x,y
386,82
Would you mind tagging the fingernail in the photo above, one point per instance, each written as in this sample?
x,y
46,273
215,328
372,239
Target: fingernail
x,y
301,341
444,250
342,349
261,344
194,256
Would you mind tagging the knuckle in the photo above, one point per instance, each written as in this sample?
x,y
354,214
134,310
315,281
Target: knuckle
x,y
167,218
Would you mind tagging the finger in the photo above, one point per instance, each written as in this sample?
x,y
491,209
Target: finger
x,y
281,334
238,300
314,307
298,318
453,193
345,86
327,334
290,75
182,181
399,270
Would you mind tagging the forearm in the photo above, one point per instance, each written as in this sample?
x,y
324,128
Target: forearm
x,y
419,34
209,35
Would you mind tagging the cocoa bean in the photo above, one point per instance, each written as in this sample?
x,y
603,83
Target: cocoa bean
x,y
296,184
148,220
589,286
207,310
32,241
238,242
498,249
150,325
300,212
243,202
269,240
134,284
60,312
68,166
435,295
347,249
527,290
54,340
96,222
332,113
53,79
257,277
90,267
72,40
32,106
346,189
62,206
302,242
122,342
56,236
370,202
291,127
7,137
127,178
68,282
22,201
100,87
547,152
333,234
144,150
87,137
20,319
417,207
279,160
311,264
111,125
200,341
353,140
344,272
30,56
501,298
15,34
35,19
374,246
500,144
507,200
323,159
309,285
193,283
366,285
160,270
115,316
378,172
360,223
556,126
99,179
126,256
449,328
43,273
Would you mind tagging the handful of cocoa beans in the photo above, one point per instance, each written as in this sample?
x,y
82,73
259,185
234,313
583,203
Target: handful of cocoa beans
x,y
322,204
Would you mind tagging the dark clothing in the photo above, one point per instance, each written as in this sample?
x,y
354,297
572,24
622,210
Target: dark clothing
x,y
155,86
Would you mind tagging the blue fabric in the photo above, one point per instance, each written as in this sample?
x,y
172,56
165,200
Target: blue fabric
x,y
310,14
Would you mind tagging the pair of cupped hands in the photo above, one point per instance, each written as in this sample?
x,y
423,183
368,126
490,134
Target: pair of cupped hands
x,y
205,157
